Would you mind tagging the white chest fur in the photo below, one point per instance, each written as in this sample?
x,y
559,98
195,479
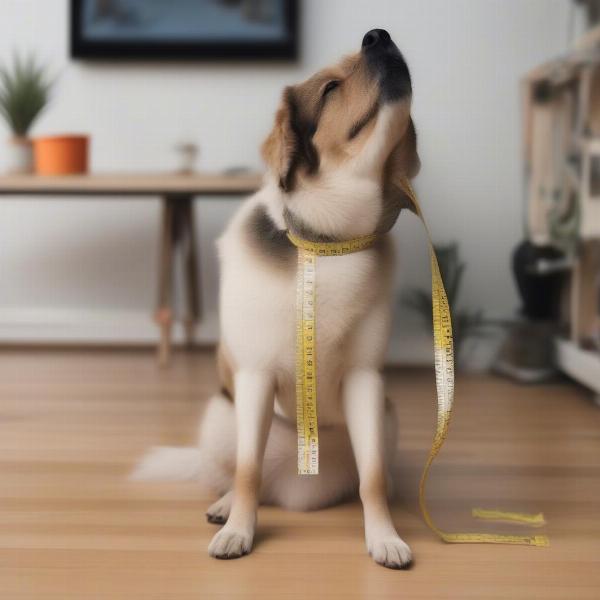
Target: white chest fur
x,y
258,315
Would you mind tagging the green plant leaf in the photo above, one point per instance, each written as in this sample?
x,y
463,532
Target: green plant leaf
x,y
24,93
465,322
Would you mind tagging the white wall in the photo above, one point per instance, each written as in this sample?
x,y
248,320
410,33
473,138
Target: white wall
x,y
77,269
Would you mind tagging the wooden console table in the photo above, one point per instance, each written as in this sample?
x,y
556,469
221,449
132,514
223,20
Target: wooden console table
x,y
177,231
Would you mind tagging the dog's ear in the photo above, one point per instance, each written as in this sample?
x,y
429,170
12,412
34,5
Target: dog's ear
x,y
289,146
403,162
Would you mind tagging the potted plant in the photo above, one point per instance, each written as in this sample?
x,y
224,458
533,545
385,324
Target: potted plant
x,y
24,93
466,323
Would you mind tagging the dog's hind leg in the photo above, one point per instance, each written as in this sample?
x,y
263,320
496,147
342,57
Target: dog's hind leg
x,y
218,512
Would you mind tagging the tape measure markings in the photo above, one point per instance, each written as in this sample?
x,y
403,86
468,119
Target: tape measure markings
x,y
306,354
306,366
444,371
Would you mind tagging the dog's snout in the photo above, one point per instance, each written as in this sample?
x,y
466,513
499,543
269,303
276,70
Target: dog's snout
x,y
385,62
375,37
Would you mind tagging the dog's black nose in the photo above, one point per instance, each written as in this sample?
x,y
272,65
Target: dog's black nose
x,y
374,37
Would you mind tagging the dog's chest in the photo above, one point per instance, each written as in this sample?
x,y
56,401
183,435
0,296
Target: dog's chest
x,y
258,313
345,288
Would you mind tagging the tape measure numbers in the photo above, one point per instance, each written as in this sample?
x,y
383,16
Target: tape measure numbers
x,y
306,337
306,377
306,367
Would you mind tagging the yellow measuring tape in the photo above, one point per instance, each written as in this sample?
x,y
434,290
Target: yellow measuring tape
x,y
306,359
306,378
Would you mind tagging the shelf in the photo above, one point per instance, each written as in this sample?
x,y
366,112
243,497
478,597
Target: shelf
x,y
582,365
590,145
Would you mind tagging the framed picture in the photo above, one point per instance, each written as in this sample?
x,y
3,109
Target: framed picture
x,y
184,29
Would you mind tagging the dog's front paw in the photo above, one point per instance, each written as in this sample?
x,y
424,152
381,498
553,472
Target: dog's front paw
x,y
230,543
390,551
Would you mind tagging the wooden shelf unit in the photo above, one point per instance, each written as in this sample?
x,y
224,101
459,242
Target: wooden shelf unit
x,y
562,172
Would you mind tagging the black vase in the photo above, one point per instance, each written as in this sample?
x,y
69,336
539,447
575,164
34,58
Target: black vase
x,y
540,291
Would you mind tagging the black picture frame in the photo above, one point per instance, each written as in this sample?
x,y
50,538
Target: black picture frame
x,y
286,49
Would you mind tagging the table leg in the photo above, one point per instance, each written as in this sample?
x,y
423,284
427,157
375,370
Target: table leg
x,y
190,258
164,312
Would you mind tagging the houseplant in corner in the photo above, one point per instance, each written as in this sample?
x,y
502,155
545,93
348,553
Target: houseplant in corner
x,y
466,323
24,93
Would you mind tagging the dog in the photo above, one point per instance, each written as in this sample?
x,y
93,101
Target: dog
x,y
340,147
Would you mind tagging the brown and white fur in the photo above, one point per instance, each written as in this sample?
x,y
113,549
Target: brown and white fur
x,y
340,143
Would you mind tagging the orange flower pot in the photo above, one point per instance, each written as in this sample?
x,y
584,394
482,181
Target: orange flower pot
x,y
61,155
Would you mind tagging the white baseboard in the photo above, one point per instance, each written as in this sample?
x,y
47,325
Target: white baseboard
x,y
97,327
582,365
91,327
137,328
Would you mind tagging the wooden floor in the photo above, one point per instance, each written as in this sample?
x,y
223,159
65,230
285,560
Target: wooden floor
x,y
73,527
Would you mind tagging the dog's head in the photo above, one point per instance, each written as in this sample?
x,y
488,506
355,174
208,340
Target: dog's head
x,y
353,118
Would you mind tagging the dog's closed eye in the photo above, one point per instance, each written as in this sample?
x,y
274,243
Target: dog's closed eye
x,y
331,85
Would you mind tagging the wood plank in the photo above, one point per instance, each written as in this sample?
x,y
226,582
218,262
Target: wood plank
x,y
72,527
131,184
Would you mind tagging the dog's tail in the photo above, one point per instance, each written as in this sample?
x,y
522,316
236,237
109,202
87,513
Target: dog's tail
x,y
169,463
211,462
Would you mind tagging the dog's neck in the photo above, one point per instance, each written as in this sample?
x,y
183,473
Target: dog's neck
x,y
336,209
